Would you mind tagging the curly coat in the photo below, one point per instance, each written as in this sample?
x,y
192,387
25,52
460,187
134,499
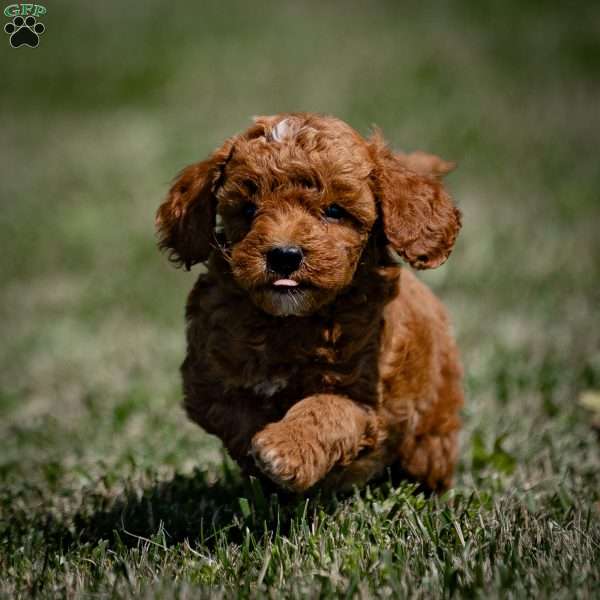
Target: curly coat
x,y
346,366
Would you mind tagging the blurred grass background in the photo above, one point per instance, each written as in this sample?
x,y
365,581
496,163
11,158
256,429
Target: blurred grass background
x,y
118,97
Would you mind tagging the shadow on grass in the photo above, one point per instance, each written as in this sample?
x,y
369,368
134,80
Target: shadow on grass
x,y
187,507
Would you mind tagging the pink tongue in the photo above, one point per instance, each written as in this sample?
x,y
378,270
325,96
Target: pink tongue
x,y
286,282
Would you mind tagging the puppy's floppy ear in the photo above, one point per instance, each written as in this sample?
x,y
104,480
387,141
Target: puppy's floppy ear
x,y
426,164
419,219
185,220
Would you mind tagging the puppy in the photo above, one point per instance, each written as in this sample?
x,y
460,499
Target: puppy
x,y
312,355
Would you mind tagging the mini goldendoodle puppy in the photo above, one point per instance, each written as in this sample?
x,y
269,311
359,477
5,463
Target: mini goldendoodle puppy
x,y
311,354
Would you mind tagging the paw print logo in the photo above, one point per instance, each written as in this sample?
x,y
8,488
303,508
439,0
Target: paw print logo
x,y
24,32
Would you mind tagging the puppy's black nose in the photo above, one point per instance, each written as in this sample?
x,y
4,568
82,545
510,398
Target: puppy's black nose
x,y
284,260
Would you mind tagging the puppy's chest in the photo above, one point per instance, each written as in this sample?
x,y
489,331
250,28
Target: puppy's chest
x,y
284,361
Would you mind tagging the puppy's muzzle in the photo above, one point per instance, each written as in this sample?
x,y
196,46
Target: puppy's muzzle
x,y
284,260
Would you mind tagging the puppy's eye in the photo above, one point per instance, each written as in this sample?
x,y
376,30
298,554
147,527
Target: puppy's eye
x,y
251,187
249,210
335,212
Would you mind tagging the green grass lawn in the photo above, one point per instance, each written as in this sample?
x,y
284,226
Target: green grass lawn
x,y
105,488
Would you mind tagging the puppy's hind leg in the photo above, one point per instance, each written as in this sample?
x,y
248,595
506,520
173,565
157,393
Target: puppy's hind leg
x,y
316,434
430,459
429,453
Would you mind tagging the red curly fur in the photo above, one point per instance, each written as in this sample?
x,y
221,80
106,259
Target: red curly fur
x,y
352,370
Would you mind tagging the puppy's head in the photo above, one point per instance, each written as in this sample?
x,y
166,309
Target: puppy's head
x,y
298,197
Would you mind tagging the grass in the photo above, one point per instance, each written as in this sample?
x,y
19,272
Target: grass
x,y
105,488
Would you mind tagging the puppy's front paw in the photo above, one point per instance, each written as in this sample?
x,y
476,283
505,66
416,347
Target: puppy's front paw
x,y
283,459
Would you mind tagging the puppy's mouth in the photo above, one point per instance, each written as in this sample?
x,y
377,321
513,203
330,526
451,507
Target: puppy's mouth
x,y
286,297
289,287
285,285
